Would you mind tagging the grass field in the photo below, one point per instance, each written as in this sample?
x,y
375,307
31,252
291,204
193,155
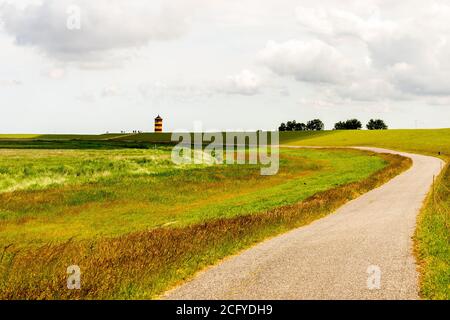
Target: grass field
x,y
425,141
52,137
136,223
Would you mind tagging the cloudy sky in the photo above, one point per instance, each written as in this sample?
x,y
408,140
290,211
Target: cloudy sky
x,y
231,64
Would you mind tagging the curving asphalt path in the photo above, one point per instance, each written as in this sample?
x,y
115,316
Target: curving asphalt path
x,y
366,243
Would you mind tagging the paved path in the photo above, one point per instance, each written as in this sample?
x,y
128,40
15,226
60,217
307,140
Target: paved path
x,y
334,257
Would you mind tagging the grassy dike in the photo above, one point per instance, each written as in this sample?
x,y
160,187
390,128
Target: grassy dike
x,y
432,236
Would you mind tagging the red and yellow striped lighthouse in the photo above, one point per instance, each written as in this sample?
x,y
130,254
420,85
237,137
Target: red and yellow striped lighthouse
x,y
158,124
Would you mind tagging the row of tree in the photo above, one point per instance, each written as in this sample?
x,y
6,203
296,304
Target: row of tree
x,y
355,124
317,125
312,125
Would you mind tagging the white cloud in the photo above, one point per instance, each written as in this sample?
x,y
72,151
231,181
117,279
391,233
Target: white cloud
x,y
370,89
313,61
86,97
439,101
8,83
106,25
55,73
244,83
414,55
112,90
284,92
171,93
414,52
330,22
318,104
406,54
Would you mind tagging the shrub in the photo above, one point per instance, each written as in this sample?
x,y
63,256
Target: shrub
x,y
315,125
377,124
352,124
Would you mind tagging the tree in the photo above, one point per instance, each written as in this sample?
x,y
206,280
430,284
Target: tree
x,y
377,124
340,126
290,125
352,124
300,126
315,125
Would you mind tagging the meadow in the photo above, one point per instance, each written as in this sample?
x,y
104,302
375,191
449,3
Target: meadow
x,y
425,141
137,224
52,137
435,142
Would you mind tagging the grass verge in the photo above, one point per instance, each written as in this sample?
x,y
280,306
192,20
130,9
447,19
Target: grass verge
x,y
145,264
432,241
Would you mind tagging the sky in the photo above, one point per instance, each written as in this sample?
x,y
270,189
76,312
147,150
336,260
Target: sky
x,y
84,66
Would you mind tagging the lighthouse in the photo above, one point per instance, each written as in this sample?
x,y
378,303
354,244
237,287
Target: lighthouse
x,y
158,124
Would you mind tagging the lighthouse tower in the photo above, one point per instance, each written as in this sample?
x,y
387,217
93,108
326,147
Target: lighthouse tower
x,y
158,124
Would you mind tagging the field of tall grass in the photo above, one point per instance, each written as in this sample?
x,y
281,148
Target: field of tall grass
x,y
136,223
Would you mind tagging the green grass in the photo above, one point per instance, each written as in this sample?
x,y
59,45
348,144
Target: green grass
x,y
152,137
426,141
136,223
72,144
433,241
54,195
52,137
